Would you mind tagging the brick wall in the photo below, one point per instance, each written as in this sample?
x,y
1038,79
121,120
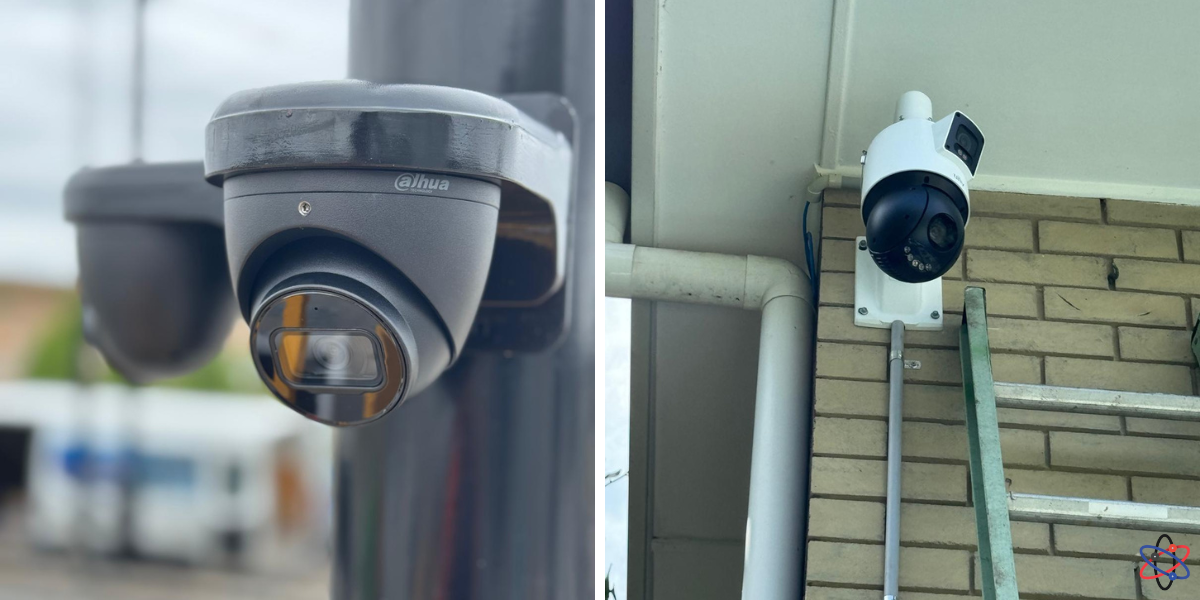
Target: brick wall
x,y
1054,318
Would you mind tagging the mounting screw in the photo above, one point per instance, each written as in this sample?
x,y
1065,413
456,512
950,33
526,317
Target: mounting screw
x,y
935,314
862,310
862,245
304,208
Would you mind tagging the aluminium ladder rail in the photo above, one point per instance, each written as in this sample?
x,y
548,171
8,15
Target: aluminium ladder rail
x,y
995,505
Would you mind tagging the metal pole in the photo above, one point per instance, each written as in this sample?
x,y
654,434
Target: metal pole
x,y
138,81
891,549
129,411
481,486
81,83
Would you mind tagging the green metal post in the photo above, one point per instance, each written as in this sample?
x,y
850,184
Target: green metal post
x,y
988,490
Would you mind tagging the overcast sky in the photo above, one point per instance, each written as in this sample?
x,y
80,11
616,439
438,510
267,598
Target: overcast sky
x,y
65,97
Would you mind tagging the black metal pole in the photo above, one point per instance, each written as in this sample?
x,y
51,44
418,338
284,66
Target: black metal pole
x,y
482,486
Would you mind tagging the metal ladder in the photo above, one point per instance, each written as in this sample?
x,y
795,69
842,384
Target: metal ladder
x,y
995,506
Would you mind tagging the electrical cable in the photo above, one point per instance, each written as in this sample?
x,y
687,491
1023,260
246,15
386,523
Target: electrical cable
x,y
810,255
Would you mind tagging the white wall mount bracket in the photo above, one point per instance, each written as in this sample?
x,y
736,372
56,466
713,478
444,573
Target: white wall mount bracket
x,y
879,299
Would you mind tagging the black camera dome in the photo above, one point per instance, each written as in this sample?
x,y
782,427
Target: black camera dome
x,y
914,225
153,280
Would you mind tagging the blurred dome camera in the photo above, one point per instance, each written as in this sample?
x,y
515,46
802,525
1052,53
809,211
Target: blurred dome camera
x,y
153,279
366,231
915,202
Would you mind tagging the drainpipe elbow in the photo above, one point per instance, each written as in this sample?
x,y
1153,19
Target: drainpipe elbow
x,y
768,278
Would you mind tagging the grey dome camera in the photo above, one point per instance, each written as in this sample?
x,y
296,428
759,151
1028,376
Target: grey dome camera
x,y
915,202
369,234
360,224
152,273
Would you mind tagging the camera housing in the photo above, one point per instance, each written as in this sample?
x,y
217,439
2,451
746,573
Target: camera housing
x,y
915,201
366,225
153,280
369,234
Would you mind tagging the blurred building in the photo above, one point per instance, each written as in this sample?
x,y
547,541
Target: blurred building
x,y
200,478
24,313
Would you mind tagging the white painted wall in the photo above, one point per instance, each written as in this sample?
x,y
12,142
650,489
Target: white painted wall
x,y
733,104
727,105
1075,97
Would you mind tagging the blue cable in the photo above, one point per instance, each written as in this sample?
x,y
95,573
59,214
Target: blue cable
x,y
816,277
804,239
809,252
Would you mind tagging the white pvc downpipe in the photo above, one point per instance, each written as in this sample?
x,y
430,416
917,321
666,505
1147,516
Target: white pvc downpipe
x,y
778,507
616,211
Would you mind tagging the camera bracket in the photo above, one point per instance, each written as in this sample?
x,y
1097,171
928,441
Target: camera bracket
x,y
879,299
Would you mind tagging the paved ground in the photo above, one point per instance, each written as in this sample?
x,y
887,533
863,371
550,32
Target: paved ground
x,y
27,573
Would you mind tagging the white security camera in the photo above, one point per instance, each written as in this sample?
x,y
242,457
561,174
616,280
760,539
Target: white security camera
x,y
915,202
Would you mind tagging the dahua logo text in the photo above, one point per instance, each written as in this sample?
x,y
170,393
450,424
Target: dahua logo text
x,y
419,182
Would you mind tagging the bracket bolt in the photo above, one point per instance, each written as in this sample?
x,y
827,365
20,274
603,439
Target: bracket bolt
x,y
304,208
935,314
862,310
862,245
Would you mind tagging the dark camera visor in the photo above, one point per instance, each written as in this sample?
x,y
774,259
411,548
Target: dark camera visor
x,y
328,358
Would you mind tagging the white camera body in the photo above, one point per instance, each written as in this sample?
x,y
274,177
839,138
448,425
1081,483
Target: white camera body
x,y
915,143
915,206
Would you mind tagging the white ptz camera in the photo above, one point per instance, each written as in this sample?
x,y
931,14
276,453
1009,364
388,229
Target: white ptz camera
x,y
915,202
915,205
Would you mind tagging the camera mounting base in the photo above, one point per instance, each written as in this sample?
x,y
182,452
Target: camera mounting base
x,y
879,300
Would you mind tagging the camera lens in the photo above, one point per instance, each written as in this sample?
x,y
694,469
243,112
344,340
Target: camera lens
x,y
330,356
325,358
965,139
331,353
943,233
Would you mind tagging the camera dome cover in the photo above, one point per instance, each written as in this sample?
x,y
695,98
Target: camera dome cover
x,y
914,225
